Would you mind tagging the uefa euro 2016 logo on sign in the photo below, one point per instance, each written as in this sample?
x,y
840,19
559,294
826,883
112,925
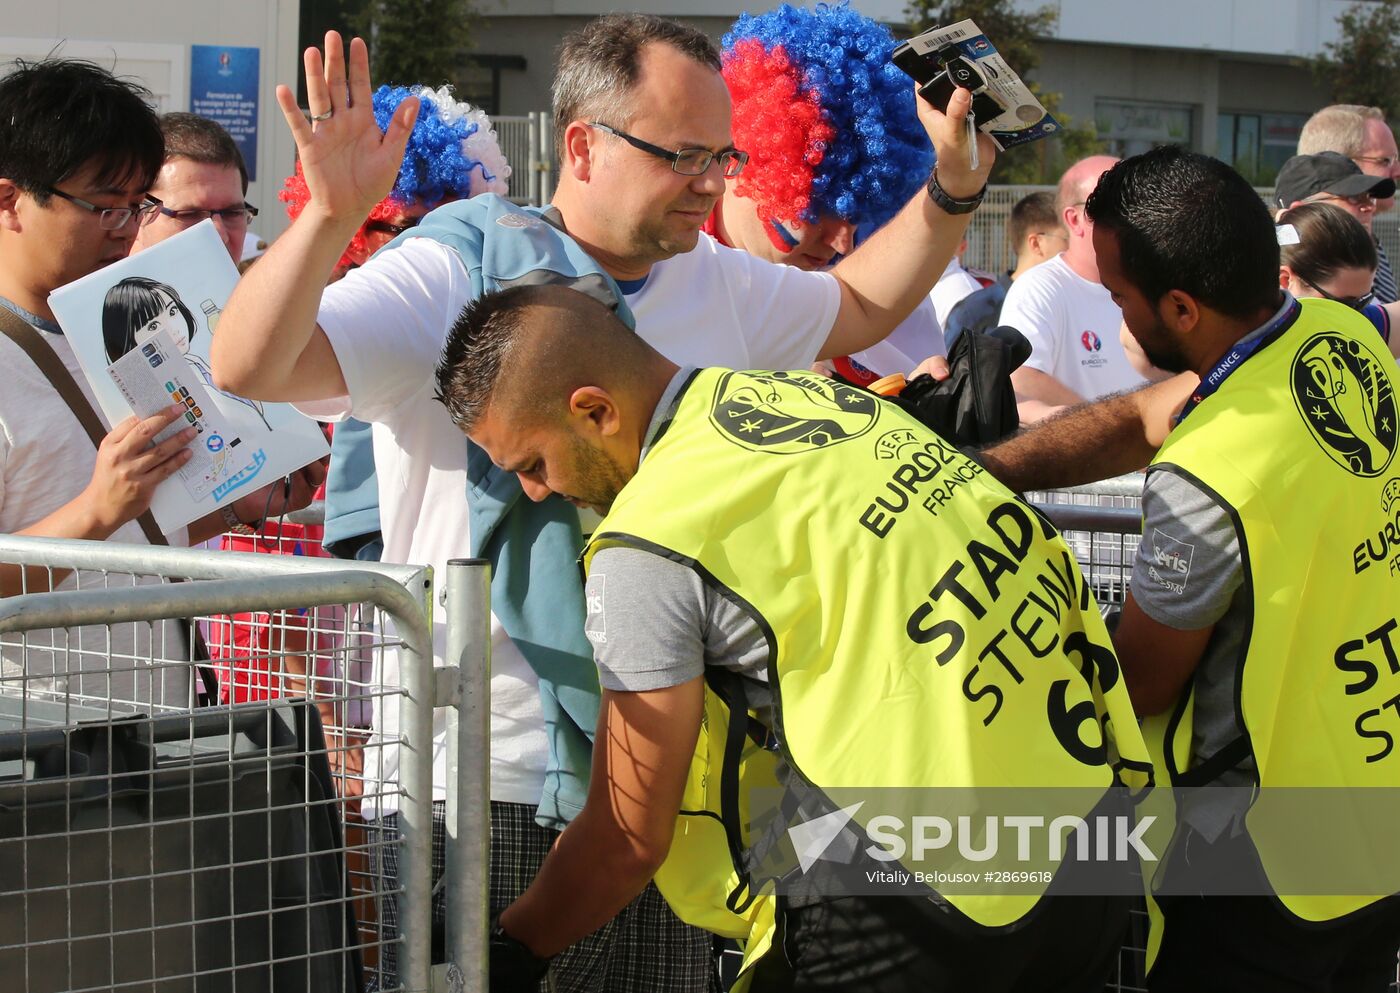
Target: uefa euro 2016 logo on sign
x,y
787,413
1347,400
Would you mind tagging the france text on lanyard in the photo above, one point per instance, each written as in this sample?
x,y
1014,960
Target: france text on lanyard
x,y
1237,356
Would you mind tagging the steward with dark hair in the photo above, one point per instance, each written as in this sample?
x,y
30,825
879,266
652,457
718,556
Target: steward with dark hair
x,y
1268,527
1189,222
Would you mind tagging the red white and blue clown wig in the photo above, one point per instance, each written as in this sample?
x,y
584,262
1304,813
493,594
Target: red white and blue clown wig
x,y
452,154
828,121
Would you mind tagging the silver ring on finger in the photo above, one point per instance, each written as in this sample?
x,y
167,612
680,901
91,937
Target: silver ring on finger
x,y
323,117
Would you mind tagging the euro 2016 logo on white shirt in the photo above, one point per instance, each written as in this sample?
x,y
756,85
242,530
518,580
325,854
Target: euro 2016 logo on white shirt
x,y
1170,561
1346,398
788,413
1090,341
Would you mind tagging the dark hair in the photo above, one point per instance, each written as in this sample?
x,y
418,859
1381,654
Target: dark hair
x,y
523,350
189,136
1329,239
60,115
1033,212
475,351
597,66
129,305
1188,222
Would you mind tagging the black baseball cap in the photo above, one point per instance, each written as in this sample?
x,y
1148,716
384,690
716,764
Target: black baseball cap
x,y
1305,176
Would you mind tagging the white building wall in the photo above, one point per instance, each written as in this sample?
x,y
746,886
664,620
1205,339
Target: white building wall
x,y
150,40
1196,57
1260,27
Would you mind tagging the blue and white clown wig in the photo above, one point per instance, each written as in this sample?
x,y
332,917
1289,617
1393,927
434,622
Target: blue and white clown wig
x,y
453,153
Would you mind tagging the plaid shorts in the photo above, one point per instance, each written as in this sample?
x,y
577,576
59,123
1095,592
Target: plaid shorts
x,y
644,949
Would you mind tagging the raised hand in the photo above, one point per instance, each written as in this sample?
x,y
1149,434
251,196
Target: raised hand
x,y
349,164
948,132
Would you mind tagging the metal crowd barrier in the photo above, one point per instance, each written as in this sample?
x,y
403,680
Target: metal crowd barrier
x,y
1101,523
147,843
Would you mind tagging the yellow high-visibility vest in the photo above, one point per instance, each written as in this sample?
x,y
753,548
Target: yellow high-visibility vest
x,y
1298,444
925,627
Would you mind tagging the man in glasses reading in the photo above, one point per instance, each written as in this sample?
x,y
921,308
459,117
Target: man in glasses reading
x,y
79,152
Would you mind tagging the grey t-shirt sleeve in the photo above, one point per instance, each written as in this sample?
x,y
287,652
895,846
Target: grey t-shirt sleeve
x,y
1188,566
646,620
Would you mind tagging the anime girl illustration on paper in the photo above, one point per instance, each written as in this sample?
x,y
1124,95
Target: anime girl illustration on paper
x,y
137,309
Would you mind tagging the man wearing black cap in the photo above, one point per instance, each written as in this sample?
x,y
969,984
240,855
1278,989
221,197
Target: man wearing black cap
x,y
1329,177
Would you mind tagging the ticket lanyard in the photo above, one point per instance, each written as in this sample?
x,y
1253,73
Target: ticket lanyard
x,y
1239,354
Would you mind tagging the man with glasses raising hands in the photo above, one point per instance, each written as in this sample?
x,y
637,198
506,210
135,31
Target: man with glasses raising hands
x,y
203,176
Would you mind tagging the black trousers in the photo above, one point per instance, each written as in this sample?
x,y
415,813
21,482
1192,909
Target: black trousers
x,y
1237,943
889,944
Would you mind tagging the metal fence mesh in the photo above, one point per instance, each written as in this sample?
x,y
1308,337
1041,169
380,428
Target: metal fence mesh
x,y
517,137
1100,523
147,843
989,250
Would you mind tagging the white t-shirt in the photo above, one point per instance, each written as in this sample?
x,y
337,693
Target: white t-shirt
x,y
918,336
955,284
46,461
387,322
1072,325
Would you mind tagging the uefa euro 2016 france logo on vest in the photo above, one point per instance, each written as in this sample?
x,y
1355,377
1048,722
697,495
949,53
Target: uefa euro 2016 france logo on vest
x,y
1347,401
787,413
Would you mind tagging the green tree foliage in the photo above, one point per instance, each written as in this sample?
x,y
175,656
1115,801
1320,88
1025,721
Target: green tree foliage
x,y
1363,65
1014,32
417,41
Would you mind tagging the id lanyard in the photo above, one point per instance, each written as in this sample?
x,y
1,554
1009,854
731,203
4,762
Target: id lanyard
x,y
1239,354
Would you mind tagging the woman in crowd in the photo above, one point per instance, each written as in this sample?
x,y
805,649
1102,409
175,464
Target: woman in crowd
x,y
1329,254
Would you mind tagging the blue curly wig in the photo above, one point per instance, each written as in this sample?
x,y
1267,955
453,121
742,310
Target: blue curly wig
x,y
829,123
437,162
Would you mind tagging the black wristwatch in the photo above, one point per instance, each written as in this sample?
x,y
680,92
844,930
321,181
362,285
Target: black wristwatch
x,y
514,968
949,204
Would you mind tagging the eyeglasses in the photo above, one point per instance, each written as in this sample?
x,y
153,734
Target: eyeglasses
x,y
1384,161
686,161
392,230
233,217
1355,303
1362,201
111,218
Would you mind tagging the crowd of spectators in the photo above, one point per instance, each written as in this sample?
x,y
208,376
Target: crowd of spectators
x,y
515,383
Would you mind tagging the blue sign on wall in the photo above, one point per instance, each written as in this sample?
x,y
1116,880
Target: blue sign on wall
x,y
224,88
